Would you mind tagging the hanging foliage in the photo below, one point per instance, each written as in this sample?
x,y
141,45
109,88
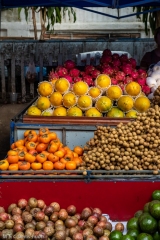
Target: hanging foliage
x,y
153,18
48,17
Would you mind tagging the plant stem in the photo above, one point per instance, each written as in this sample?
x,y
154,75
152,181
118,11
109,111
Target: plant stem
x,y
34,23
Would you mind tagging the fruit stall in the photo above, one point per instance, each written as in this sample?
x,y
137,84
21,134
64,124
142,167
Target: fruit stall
x,y
84,157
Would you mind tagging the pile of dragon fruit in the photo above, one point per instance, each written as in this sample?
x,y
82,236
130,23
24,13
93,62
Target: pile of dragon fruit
x,y
120,68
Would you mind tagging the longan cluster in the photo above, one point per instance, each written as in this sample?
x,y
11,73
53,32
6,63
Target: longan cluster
x,y
131,146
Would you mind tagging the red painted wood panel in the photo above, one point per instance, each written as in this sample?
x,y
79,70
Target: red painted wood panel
x,y
118,199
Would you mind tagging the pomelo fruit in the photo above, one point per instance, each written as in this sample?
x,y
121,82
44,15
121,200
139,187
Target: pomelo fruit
x,y
132,223
56,99
33,111
125,103
103,104
60,111
156,195
142,216
115,235
84,102
148,224
155,210
115,112
131,114
103,81
114,92
156,236
93,112
127,237
142,104
133,89
43,103
69,99
94,92
74,112
133,232
151,203
62,85
45,88
138,213
144,236
146,207
80,88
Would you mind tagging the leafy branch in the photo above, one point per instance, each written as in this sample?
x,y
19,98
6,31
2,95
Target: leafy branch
x,y
48,17
153,18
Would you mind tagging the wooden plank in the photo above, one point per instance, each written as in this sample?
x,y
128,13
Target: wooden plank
x,y
3,83
41,67
60,61
50,59
13,83
32,84
23,85
76,120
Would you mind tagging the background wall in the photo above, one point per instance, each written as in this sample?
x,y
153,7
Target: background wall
x,y
86,22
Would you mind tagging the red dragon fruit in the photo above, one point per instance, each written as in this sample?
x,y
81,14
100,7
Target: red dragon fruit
x,y
127,69
142,73
53,75
133,62
134,74
105,65
99,67
77,79
106,59
74,72
107,70
95,73
69,64
61,71
88,79
146,89
116,62
69,78
141,81
122,86
120,76
124,58
128,79
107,52
82,74
115,56
89,69
115,69
114,81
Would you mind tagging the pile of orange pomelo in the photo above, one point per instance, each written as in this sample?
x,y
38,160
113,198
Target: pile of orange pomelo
x,y
41,150
58,98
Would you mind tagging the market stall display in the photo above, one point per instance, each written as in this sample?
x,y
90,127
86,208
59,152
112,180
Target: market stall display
x,y
123,148
133,146
115,88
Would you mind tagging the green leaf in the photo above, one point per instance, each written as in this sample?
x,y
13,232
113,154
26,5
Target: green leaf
x,y
26,13
19,12
50,15
50,11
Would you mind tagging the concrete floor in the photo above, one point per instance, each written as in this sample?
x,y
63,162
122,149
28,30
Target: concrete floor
x,y
7,112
